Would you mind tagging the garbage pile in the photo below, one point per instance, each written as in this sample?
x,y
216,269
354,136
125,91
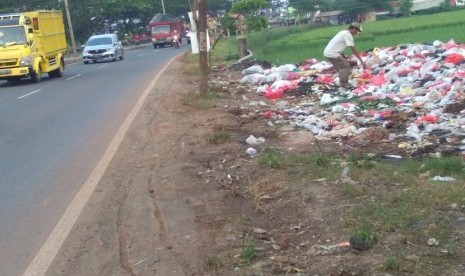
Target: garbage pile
x,y
411,94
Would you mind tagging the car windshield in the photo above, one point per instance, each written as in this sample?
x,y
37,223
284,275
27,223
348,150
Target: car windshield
x,y
99,41
12,35
160,29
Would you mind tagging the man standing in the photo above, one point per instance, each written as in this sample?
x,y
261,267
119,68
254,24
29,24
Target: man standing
x,y
334,52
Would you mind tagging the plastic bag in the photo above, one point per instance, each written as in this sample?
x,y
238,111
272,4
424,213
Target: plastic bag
x,y
378,80
274,94
325,78
255,78
286,68
252,70
454,59
292,76
272,77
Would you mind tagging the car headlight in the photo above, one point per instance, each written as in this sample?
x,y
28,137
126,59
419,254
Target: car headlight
x,y
25,61
85,51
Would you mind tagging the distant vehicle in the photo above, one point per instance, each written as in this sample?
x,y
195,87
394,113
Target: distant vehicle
x,y
162,29
104,47
32,43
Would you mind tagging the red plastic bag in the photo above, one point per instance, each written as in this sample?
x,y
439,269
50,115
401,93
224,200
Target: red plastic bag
x,y
429,119
274,94
378,80
454,58
326,79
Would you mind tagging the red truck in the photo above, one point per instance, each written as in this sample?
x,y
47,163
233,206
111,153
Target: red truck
x,y
162,27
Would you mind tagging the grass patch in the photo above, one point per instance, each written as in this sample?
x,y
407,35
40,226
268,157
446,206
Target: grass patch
x,y
248,251
220,137
272,158
367,235
196,100
314,165
348,191
392,263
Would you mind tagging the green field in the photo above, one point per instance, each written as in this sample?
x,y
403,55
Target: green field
x,y
297,43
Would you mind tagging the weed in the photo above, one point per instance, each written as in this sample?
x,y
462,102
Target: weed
x,y
248,252
348,191
272,158
322,160
198,101
391,263
220,137
444,166
367,234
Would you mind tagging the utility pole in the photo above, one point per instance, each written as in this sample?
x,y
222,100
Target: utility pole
x,y
70,25
163,6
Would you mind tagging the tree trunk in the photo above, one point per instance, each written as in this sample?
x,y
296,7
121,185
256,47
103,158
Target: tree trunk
x,y
203,58
241,47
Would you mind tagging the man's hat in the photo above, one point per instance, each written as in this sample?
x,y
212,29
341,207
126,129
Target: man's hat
x,y
357,26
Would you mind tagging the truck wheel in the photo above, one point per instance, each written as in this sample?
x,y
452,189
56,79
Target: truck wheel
x,y
12,80
57,73
36,76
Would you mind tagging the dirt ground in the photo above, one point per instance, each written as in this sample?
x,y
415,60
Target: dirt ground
x,y
181,199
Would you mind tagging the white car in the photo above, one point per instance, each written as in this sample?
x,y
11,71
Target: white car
x,y
104,47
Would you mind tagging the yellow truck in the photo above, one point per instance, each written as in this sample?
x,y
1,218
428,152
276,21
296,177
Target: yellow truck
x,y
32,43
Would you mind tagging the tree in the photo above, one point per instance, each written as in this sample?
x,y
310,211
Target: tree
x,y
250,9
200,20
405,6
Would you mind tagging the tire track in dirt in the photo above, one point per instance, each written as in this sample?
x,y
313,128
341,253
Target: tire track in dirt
x,y
123,243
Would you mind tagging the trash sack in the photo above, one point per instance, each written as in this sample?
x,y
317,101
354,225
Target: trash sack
x,y
253,69
272,77
255,78
287,68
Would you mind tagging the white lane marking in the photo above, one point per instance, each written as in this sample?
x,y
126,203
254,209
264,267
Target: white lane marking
x,y
103,66
52,245
73,77
141,55
28,94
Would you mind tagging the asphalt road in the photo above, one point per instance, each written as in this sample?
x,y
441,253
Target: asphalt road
x,y
52,135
